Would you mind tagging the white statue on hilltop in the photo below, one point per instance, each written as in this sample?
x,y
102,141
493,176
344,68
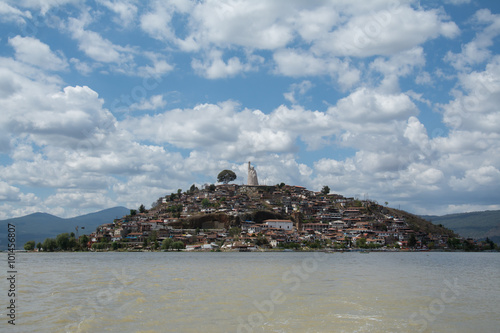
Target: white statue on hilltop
x,y
252,176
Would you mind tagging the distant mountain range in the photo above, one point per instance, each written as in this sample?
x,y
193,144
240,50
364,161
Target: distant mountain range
x,y
478,225
39,226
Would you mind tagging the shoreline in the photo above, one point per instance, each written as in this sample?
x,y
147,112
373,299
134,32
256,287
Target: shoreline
x,y
268,251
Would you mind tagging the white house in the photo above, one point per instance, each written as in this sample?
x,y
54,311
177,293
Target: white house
x,y
279,224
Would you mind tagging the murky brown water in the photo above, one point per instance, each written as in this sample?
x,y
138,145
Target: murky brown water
x,y
256,292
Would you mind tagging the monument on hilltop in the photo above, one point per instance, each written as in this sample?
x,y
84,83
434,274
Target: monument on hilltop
x,y
252,176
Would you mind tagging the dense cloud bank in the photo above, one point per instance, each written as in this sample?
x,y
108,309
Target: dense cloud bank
x,y
105,103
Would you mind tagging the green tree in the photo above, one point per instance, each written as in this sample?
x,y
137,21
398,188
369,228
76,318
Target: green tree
x,y
84,239
157,202
205,203
114,246
489,244
412,241
29,246
178,245
153,236
325,190
166,244
142,209
234,231
211,188
361,242
62,241
291,245
261,240
73,244
226,176
39,246
133,212
314,245
100,246
49,245
338,245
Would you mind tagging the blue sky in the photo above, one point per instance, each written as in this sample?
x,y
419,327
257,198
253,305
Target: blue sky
x,y
108,103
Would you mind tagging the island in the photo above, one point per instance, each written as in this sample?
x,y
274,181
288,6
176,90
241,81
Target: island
x,y
230,217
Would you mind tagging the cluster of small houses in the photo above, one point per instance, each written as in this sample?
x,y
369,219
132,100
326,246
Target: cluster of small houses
x,y
328,219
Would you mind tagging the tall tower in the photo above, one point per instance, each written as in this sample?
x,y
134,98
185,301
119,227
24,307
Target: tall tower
x,y
252,176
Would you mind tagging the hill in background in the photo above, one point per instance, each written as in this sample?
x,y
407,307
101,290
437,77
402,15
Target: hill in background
x,y
39,226
478,225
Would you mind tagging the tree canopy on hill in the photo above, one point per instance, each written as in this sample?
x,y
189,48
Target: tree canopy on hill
x,y
226,176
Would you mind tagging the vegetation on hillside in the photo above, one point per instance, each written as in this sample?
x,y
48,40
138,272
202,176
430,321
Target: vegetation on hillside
x,y
419,224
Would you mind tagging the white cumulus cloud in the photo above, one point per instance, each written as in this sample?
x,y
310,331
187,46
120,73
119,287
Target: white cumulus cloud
x,y
32,51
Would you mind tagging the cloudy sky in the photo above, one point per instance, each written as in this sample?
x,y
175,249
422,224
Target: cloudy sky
x,y
107,103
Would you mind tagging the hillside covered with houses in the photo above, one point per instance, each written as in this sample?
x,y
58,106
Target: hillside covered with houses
x,y
232,217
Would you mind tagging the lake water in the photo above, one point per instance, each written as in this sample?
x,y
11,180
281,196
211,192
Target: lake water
x,y
255,292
